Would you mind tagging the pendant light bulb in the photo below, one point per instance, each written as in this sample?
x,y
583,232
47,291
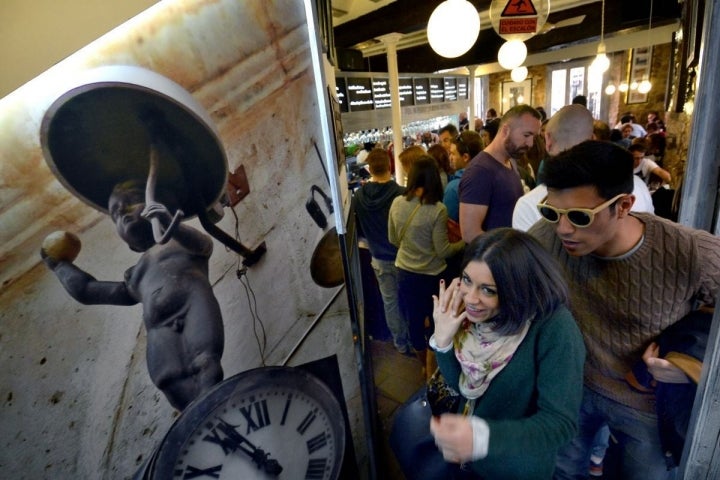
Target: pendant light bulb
x,y
512,54
519,74
601,62
453,28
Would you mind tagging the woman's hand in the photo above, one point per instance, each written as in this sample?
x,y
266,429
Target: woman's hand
x,y
661,369
453,437
446,312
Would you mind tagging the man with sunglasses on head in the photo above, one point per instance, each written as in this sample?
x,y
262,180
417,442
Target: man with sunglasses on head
x,y
569,126
631,275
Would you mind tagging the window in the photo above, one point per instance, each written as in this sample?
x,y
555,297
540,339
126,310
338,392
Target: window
x,y
571,79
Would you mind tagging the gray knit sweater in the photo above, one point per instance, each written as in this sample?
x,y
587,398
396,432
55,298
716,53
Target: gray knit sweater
x,y
622,304
424,246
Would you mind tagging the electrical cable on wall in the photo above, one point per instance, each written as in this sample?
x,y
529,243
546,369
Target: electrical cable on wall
x,y
241,272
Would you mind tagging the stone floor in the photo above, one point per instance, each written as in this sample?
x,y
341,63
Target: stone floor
x,y
397,377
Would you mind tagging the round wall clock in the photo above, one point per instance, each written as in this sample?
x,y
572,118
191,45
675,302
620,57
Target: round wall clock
x,y
266,423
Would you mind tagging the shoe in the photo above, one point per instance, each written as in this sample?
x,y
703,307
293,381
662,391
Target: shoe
x,y
596,469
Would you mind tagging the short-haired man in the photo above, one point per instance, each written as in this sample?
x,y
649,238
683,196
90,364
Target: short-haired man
x,y
570,125
371,203
464,148
644,167
447,136
631,275
491,185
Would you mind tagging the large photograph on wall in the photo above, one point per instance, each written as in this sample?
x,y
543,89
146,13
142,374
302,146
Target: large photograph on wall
x,y
167,222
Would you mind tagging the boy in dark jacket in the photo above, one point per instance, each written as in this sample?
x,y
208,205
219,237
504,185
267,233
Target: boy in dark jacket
x,y
371,204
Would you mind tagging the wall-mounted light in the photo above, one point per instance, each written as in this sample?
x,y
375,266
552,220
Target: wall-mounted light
x,y
512,54
453,28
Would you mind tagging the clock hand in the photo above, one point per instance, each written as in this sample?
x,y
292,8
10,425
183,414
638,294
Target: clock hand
x,y
257,455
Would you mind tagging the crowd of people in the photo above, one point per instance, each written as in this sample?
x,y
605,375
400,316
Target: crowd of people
x,y
559,280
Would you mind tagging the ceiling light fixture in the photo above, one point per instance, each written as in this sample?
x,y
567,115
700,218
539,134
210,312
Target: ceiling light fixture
x,y
453,28
601,62
645,85
519,74
512,54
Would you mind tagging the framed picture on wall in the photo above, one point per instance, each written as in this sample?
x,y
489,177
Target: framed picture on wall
x,y
693,26
640,65
515,93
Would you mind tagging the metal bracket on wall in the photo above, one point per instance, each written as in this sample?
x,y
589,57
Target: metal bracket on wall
x,y
237,186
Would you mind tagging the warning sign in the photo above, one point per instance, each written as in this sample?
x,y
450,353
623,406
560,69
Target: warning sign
x,y
509,26
516,8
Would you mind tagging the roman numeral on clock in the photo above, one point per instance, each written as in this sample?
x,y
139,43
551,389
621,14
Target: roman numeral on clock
x,y
214,437
307,421
316,468
257,415
285,410
317,442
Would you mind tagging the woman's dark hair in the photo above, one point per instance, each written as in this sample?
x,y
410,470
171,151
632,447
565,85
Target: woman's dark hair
x,y
424,173
492,127
529,282
469,142
441,156
604,165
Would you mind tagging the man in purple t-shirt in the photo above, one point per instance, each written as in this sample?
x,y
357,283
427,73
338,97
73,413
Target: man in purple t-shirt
x,y
491,184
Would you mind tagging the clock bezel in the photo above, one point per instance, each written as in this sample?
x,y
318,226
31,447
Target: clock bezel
x,y
244,383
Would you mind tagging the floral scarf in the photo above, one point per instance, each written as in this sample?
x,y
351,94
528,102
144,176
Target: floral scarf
x,y
483,354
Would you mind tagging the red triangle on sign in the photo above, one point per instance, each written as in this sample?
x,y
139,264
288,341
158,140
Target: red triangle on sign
x,y
518,7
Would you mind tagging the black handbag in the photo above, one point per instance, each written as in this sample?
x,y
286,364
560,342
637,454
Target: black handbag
x,y
441,397
413,444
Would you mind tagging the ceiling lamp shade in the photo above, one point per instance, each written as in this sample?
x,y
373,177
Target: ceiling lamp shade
x,y
644,86
519,74
453,28
601,62
512,54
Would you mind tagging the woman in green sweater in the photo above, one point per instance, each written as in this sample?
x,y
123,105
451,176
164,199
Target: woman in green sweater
x,y
506,341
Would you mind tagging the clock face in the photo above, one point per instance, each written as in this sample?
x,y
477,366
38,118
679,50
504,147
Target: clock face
x,y
266,423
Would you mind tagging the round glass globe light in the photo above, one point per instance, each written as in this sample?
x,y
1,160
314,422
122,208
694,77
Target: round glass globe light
x,y
519,74
644,86
623,87
610,89
453,28
512,54
600,64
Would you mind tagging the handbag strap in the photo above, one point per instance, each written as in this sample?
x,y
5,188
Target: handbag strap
x,y
402,233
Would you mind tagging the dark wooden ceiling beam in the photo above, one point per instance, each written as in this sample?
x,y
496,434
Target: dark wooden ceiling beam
x,y
405,16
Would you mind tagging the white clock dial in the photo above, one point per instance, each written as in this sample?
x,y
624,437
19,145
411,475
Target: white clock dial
x,y
270,423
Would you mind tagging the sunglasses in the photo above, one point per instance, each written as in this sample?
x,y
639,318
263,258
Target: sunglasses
x,y
578,217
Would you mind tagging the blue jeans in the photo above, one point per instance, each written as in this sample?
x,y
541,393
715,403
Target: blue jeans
x,y
600,442
636,432
415,291
387,277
